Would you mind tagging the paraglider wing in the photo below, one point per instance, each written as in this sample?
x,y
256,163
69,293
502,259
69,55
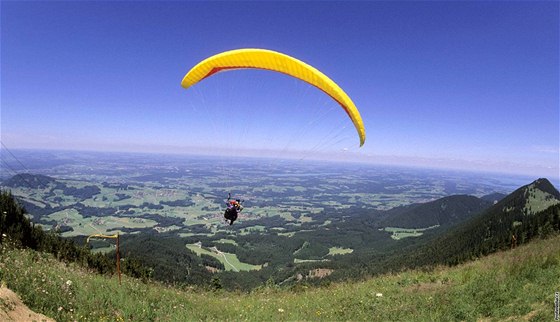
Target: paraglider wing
x,y
275,61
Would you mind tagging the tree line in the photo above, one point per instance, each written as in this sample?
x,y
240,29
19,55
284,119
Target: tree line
x,y
16,230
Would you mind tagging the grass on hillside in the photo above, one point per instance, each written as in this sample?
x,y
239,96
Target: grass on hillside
x,y
230,261
400,233
339,251
514,285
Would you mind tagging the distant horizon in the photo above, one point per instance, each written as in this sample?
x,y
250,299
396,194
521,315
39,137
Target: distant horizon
x,y
430,165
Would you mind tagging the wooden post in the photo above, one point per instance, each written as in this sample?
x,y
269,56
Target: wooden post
x,y
118,251
3,220
118,260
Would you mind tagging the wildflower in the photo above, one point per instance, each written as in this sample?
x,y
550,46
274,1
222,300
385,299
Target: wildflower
x,y
59,308
68,282
379,294
281,310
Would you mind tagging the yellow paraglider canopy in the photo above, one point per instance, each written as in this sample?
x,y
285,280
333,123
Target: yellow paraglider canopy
x,y
275,61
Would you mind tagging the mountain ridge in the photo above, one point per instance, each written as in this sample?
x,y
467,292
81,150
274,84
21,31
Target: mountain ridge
x,y
506,224
445,211
33,181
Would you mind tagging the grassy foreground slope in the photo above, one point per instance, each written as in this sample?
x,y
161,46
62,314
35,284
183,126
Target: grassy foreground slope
x,y
511,285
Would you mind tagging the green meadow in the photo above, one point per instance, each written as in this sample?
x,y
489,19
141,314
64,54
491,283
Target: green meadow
x,y
230,261
516,285
400,233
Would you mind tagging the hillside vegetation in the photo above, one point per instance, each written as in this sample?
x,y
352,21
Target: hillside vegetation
x,y
496,227
55,277
517,285
446,211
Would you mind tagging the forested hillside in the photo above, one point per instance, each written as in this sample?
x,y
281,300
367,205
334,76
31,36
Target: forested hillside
x,y
442,212
16,230
531,211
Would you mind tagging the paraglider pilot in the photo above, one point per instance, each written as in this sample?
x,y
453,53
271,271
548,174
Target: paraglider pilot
x,y
234,207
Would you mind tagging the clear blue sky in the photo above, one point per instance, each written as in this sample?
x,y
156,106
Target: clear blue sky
x,y
471,85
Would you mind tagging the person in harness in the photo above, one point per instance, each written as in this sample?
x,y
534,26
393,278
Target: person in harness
x,y
233,209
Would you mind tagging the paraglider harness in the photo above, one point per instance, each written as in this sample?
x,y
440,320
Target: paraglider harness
x,y
234,207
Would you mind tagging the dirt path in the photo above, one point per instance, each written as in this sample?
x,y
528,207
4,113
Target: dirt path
x,y
225,258
13,309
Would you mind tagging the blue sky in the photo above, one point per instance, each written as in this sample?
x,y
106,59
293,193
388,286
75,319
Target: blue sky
x,y
471,85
